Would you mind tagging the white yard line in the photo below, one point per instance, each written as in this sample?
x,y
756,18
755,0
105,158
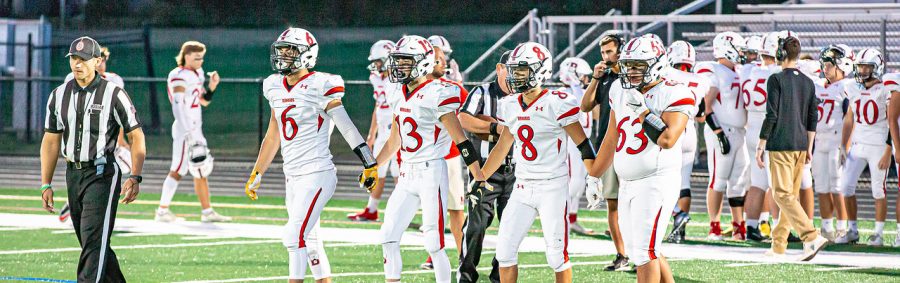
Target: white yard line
x,y
742,264
154,246
845,268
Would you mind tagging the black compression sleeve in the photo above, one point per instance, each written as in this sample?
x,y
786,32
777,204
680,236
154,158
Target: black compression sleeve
x,y
587,150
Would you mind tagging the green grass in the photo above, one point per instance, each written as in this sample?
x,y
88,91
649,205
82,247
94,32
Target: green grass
x,y
268,259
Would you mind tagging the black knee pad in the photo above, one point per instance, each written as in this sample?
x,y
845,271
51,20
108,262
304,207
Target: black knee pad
x,y
685,193
736,202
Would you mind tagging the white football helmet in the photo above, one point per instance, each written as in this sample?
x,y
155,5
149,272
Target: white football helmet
x,y
644,55
442,43
415,48
754,44
533,57
200,164
770,44
729,45
294,49
682,52
869,56
572,69
380,51
840,55
655,38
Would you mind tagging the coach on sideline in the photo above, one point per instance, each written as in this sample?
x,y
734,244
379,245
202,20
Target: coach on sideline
x,y
791,117
83,119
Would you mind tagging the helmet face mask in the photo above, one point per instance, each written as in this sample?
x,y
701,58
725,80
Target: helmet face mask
x,y
401,67
636,72
520,76
864,72
285,57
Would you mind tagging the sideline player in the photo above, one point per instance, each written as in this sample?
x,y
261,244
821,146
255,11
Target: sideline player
x,y
575,74
864,135
726,119
837,64
188,94
891,85
424,123
304,103
452,68
648,118
381,125
537,120
682,58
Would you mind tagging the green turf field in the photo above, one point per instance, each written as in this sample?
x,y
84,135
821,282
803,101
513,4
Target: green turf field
x,y
166,258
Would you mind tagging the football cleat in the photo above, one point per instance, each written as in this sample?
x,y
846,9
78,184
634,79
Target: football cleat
x,y
165,215
64,213
875,240
678,230
739,233
618,264
793,238
213,216
848,238
765,229
830,235
753,234
715,232
427,265
365,215
577,228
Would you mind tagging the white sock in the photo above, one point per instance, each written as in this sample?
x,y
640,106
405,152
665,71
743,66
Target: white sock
x,y
170,185
842,224
764,216
852,224
373,204
393,262
296,262
207,211
753,223
879,227
826,224
441,266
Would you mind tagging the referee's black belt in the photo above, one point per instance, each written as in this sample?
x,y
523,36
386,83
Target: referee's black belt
x,y
85,164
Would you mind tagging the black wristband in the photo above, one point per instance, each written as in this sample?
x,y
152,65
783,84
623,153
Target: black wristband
x,y
467,150
652,132
365,155
587,150
208,94
493,129
711,121
137,178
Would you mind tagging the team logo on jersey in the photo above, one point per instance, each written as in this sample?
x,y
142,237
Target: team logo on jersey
x,y
404,109
287,100
524,118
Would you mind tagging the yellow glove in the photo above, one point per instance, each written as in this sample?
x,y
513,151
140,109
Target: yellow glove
x,y
369,178
253,185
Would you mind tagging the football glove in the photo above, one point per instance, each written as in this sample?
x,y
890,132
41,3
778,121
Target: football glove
x,y
368,179
724,145
593,192
253,185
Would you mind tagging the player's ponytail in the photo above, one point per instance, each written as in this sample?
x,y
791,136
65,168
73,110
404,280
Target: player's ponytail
x,y
188,48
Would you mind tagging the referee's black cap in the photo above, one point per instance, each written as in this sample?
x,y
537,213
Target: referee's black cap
x,y
85,47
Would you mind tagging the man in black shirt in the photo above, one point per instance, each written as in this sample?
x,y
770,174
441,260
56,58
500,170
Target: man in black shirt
x,y
606,73
791,117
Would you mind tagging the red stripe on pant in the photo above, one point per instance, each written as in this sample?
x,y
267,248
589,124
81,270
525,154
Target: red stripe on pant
x,y
181,160
652,249
306,219
712,181
566,239
440,218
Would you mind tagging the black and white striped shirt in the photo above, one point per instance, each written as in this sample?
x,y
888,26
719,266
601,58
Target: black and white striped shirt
x,y
89,118
482,101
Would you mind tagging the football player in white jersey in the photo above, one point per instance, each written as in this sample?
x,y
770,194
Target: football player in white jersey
x,y
837,64
537,120
188,92
304,105
575,75
892,84
726,118
424,124
649,115
864,135
456,204
682,58
380,127
452,68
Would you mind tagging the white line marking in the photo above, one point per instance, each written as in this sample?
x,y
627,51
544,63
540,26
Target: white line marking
x,y
839,268
742,264
154,246
18,228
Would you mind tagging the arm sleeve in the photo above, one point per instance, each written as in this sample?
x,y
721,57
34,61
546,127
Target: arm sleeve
x,y
567,111
812,111
52,123
345,126
774,91
449,100
125,113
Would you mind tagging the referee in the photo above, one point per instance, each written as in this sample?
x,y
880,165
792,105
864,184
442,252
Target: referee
x,y
478,116
83,120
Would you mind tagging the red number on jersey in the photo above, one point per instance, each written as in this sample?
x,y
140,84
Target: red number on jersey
x,y
761,91
196,95
737,100
413,134
561,94
284,124
622,137
870,119
745,92
526,133
830,104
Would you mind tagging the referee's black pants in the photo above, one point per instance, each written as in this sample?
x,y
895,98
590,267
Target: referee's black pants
x,y
93,199
481,207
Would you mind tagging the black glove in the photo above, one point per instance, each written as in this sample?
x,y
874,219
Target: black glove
x,y
724,146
